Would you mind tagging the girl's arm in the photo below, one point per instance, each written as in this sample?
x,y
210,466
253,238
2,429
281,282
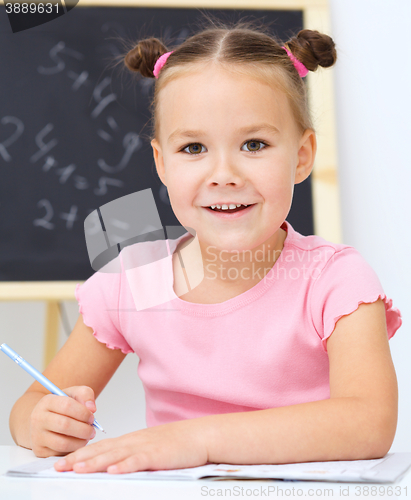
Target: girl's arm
x,y
82,361
357,422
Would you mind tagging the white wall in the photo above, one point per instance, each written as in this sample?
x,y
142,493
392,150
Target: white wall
x,y
372,83
121,405
373,108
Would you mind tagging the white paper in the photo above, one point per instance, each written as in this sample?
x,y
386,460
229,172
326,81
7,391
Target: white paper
x,y
386,469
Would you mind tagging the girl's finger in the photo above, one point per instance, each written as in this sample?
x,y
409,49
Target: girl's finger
x,y
82,455
100,462
134,463
66,463
69,407
67,426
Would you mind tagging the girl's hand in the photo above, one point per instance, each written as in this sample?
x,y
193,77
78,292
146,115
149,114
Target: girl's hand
x,y
171,446
59,425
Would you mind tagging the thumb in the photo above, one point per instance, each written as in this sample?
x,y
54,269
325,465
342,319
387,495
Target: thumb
x,y
84,395
91,405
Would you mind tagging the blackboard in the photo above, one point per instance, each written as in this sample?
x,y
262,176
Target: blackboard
x,y
72,131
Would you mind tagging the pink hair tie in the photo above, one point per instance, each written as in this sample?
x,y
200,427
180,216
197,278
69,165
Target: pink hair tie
x,y
160,63
299,66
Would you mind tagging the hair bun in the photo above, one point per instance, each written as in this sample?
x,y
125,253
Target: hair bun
x,y
313,49
143,56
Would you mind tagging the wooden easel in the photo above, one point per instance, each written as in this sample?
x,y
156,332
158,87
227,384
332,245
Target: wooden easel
x,y
53,292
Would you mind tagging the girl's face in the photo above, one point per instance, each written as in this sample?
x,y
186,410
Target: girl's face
x,y
226,138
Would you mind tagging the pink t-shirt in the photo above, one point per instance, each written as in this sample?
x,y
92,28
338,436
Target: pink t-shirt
x,y
262,349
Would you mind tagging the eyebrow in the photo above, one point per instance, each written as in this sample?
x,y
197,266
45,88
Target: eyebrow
x,y
244,130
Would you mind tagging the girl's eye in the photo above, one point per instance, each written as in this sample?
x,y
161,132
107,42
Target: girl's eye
x,y
254,144
194,148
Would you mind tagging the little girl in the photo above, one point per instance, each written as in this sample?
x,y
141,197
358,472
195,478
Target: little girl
x,y
280,353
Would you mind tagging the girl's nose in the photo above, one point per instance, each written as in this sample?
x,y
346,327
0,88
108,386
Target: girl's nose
x,y
224,170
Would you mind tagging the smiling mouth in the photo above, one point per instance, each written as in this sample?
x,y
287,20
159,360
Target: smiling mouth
x,y
229,210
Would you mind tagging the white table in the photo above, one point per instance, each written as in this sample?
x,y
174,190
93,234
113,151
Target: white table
x,y
86,489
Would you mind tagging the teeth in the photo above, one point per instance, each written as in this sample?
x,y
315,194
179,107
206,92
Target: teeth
x,y
226,207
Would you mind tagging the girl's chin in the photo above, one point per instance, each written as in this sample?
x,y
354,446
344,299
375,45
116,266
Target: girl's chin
x,y
226,243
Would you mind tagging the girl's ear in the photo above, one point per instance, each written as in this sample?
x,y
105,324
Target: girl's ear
x,y
159,161
306,156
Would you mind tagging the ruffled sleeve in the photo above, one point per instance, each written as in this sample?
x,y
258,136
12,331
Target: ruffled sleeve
x,y
98,300
345,282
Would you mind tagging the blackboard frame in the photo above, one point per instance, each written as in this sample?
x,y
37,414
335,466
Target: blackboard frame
x,y
324,179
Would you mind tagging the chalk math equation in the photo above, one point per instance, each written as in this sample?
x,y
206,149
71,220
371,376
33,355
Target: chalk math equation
x,y
44,154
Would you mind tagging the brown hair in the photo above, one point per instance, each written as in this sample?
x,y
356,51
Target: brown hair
x,y
243,47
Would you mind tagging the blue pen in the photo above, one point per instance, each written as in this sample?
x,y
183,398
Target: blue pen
x,y
45,382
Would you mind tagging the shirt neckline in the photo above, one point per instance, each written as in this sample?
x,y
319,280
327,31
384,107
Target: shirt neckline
x,y
236,302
